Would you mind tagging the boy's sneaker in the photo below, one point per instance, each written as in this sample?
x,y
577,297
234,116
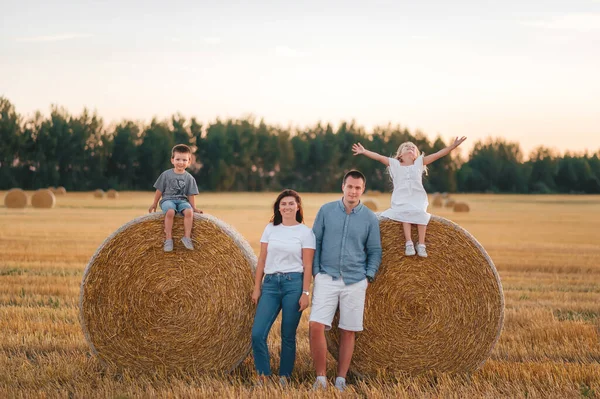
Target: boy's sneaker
x,y
340,384
168,246
422,250
410,249
187,242
320,384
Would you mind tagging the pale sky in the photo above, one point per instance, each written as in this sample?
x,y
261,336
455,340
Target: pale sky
x,y
528,71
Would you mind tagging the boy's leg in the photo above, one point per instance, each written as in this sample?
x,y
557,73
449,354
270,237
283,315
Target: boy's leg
x,y
169,215
188,221
269,305
290,318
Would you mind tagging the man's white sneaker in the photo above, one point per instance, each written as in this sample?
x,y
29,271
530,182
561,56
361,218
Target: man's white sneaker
x,y
410,249
422,250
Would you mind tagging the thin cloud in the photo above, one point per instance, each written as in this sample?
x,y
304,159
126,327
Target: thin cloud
x,y
212,40
583,22
286,51
54,38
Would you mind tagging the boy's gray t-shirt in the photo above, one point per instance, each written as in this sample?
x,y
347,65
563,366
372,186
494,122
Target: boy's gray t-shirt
x,y
175,186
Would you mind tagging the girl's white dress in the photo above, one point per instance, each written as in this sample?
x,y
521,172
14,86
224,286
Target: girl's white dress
x,y
409,199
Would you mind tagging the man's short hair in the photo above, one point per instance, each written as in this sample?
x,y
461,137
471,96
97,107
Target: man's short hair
x,y
182,149
355,174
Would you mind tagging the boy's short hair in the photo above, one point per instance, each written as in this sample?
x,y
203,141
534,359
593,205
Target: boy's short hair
x,y
182,149
355,174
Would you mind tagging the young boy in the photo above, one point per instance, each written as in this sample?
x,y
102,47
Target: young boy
x,y
177,189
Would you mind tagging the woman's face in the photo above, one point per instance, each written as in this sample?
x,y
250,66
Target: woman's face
x,y
288,206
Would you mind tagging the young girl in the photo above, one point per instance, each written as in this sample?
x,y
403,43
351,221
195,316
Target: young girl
x,y
409,199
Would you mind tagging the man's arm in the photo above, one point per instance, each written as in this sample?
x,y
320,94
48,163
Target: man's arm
x,y
374,250
318,229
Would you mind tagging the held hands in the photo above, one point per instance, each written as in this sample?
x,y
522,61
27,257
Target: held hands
x,y
458,141
152,208
303,302
255,295
358,149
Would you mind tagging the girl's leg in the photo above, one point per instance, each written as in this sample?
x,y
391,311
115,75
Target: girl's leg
x,y
407,231
421,228
267,310
290,318
169,223
188,221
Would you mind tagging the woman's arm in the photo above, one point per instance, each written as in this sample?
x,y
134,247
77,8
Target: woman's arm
x,y
358,149
260,271
307,261
443,152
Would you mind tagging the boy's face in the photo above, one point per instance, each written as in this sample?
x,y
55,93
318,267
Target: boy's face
x,y
180,161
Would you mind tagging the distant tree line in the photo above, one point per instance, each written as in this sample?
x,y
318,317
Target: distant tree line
x,y
81,153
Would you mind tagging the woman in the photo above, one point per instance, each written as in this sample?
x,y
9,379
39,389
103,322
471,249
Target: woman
x,y
287,248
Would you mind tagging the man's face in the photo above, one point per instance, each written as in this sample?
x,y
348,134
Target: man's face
x,y
180,161
353,189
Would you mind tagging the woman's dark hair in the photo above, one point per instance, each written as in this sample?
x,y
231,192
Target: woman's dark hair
x,y
277,218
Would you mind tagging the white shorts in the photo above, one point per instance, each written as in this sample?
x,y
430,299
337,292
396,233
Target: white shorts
x,y
328,293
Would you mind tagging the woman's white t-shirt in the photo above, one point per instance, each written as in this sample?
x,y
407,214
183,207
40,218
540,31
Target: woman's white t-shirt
x,y
284,252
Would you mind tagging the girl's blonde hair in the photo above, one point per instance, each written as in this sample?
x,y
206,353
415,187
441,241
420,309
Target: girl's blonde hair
x,y
403,146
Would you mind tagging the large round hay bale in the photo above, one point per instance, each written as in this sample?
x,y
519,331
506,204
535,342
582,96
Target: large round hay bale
x,y
99,193
370,204
442,313
112,194
153,311
60,191
437,202
15,198
43,198
461,207
449,203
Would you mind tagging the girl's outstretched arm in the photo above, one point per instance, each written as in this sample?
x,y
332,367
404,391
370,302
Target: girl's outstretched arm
x,y
443,152
358,149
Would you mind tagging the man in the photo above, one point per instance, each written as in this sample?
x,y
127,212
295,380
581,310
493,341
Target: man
x,y
347,256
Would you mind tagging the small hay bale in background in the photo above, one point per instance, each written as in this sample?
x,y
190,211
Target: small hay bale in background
x,y
370,204
149,310
99,193
437,202
60,191
445,195
449,203
43,198
112,193
15,198
461,207
442,313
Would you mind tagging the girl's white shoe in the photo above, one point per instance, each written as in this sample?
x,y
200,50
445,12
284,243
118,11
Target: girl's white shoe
x,y
409,249
422,250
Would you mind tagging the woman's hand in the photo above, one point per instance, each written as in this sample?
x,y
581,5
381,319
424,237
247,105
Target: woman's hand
x,y
358,149
255,295
303,302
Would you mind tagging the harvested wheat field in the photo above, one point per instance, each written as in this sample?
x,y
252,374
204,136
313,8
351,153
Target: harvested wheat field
x,y
545,248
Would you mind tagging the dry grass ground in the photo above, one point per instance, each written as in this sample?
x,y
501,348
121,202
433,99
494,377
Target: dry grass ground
x,y
546,249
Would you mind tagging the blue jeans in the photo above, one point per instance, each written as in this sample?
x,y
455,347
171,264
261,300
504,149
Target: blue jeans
x,y
280,291
177,205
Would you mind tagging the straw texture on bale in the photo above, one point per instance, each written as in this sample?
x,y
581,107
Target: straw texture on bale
x,y
99,193
442,313
15,198
60,191
43,198
112,193
153,311
437,202
449,203
370,204
461,207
